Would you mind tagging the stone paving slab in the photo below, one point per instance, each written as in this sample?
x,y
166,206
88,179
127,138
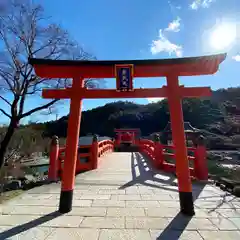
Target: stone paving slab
x,y
229,213
126,197
126,212
146,222
173,234
142,204
37,196
224,224
236,222
192,224
63,221
94,197
13,220
82,203
103,222
116,234
74,233
117,201
111,191
164,197
27,210
108,203
216,235
33,202
218,204
36,233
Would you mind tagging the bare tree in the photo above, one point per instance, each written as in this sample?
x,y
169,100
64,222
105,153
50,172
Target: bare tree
x,y
26,33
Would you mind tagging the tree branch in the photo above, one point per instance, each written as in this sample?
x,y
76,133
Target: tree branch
x,y
38,109
5,100
6,114
6,77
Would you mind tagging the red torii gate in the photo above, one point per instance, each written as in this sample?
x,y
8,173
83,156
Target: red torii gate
x,y
169,68
122,131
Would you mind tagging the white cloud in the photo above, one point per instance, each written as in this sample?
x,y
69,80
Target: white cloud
x,y
162,44
174,26
174,7
195,5
154,100
236,58
201,3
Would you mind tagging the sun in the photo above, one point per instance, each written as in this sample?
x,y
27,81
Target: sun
x,y
223,36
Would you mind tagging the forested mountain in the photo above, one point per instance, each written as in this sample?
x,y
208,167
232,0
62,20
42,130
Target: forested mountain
x,y
217,114
218,117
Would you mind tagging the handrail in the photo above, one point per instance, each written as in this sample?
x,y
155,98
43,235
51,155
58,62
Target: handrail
x,y
157,153
95,150
105,145
100,148
151,146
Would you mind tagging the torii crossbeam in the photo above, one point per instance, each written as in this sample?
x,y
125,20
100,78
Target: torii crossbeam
x,y
169,68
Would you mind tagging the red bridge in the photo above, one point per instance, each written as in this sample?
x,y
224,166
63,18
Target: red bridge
x,y
88,155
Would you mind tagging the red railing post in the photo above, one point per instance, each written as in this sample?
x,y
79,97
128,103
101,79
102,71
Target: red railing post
x,y
117,141
140,146
59,162
133,138
158,151
53,159
136,142
119,136
200,164
112,146
159,157
94,152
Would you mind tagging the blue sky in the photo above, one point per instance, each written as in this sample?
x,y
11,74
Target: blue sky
x,y
138,29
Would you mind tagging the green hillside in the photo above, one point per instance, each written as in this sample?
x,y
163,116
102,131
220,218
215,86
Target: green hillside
x,y
215,116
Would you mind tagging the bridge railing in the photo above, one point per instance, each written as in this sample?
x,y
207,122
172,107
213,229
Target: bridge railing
x,y
100,148
87,156
158,153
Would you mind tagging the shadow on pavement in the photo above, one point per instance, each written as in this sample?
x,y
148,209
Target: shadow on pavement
x,y
179,223
175,228
148,175
26,226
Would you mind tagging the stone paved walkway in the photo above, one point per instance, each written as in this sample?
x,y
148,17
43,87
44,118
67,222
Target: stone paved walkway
x,y
123,199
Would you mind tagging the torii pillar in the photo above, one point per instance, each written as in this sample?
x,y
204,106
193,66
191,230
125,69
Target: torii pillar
x,y
178,136
74,120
